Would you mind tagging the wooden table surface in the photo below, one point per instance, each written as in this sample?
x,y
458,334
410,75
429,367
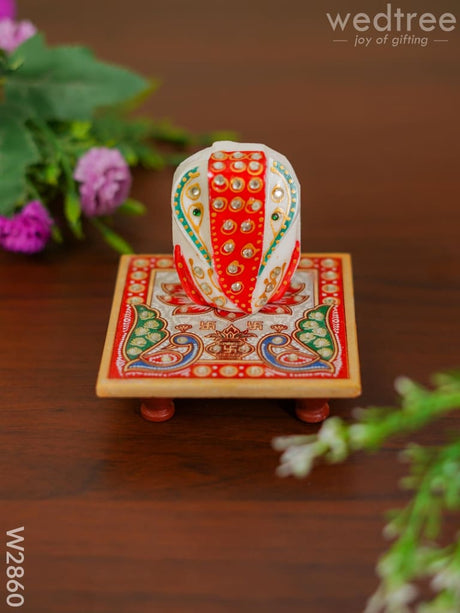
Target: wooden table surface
x,y
125,516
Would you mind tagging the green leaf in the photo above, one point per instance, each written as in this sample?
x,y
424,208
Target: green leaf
x,y
72,211
136,101
165,131
80,129
4,65
67,83
115,130
130,137
148,157
112,238
7,65
17,152
112,127
52,174
132,207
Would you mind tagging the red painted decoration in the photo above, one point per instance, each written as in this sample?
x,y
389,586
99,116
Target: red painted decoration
x,y
185,278
237,204
288,276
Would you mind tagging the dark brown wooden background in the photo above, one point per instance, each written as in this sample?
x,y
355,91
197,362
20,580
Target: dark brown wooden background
x,y
123,516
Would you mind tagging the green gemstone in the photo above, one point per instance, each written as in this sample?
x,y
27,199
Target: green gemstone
x,y
275,216
196,212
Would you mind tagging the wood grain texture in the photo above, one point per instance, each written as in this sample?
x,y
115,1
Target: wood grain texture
x,y
125,516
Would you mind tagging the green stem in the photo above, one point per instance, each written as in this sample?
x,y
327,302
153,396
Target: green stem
x,y
409,559
60,155
112,238
429,406
72,207
33,191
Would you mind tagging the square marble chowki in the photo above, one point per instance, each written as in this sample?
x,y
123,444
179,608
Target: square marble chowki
x,y
160,345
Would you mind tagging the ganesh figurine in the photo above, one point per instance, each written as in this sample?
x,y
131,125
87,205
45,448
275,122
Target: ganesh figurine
x,y
236,225
239,324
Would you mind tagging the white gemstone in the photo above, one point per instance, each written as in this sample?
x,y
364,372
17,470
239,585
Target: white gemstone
x,y
228,247
237,184
255,206
248,252
239,165
218,204
219,180
254,184
198,271
195,191
219,155
256,156
278,193
236,286
270,287
246,226
236,204
218,165
277,271
232,269
255,166
238,154
228,224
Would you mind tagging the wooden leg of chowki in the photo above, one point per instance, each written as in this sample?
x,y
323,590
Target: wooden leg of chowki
x,y
157,409
312,410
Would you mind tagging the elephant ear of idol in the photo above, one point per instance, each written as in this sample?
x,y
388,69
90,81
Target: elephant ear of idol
x,y
236,225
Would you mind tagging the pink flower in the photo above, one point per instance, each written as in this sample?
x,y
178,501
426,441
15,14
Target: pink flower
x,y
14,33
7,9
28,231
105,180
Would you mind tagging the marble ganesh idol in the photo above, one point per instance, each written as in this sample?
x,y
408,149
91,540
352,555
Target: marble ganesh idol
x,y
236,225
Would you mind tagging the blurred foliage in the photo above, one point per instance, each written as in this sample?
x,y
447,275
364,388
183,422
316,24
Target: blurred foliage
x,y
56,103
415,555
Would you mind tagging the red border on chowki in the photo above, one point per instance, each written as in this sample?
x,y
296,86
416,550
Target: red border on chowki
x,y
126,319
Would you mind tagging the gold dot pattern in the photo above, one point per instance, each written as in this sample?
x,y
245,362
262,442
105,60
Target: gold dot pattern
x,y
237,227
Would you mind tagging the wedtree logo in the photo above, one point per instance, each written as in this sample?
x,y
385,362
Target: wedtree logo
x,y
392,26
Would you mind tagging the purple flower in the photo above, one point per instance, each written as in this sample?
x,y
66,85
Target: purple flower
x,y
7,9
105,180
14,33
28,231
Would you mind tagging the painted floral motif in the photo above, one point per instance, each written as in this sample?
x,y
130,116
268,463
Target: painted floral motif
x,y
300,337
175,295
311,347
148,332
